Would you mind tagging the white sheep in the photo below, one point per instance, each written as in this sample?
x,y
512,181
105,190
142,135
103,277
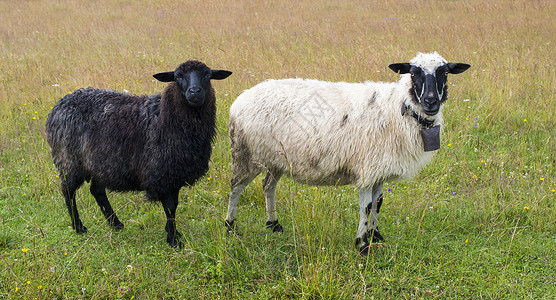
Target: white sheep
x,y
337,133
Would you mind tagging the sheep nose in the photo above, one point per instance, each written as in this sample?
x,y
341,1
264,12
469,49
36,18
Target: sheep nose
x,y
194,90
430,98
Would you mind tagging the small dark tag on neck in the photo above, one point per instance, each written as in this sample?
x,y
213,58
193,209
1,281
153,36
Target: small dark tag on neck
x,y
431,138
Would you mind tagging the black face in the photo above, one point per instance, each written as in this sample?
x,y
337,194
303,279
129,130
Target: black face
x,y
429,89
193,85
193,79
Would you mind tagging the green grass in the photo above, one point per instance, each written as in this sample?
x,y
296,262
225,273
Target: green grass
x,y
478,222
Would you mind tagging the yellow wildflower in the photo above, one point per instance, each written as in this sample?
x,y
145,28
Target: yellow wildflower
x,y
526,208
24,250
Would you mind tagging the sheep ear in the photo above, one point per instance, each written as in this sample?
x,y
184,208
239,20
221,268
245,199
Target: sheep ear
x,y
456,68
165,76
220,74
401,68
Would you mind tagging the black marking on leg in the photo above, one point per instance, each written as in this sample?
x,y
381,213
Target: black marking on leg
x,y
275,226
377,237
230,226
368,208
379,203
363,244
266,180
234,181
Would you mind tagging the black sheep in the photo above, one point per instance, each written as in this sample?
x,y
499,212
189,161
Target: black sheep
x,y
124,142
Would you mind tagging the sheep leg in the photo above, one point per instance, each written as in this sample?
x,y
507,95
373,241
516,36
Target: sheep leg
x,y
269,186
68,190
99,193
370,200
170,205
238,185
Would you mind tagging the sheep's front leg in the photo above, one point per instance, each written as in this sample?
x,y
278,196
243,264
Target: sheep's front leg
x,y
269,186
170,204
370,200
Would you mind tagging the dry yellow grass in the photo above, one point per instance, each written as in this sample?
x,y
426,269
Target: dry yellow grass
x,y
118,44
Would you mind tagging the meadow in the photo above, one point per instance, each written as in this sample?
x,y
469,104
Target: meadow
x,y
479,222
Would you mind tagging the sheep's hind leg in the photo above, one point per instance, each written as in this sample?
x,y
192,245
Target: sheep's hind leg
x,y
238,185
69,185
269,186
99,192
170,204
370,200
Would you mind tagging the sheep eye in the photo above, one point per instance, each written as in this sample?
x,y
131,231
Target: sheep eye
x,y
412,74
207,75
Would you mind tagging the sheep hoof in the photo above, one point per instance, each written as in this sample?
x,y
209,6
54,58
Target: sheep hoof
x,y
231,227
275,226
377,237
118,226
175,243
80,228
364,249
365,246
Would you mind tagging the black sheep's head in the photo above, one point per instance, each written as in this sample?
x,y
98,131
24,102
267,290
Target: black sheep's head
x,y
193,79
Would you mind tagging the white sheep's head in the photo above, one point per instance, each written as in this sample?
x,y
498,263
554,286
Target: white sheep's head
x,y
193,79
429,72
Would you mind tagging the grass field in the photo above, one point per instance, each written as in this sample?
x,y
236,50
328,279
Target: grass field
x,y
479,222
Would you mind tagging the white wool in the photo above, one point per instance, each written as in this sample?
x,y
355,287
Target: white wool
x,y
331,132
429,62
